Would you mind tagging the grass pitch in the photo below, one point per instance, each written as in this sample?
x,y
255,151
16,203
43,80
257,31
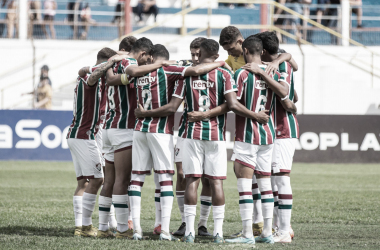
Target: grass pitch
x,y
335,207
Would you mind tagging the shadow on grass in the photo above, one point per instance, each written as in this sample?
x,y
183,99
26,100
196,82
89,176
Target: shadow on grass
x,y
40,231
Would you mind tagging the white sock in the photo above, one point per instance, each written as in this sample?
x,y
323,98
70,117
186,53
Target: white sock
x,y
190,212
245,205
218,214
267,204
285,202
88,206
104,212
120,203
181,202
137,183
129,207
111,219
166,199
157,195
205,210
275,198
77,203
256,196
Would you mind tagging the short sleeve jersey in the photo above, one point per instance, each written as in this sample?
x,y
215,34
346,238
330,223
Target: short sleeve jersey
x,y
86,110
155,90
286,123
255,95
121,100
202,93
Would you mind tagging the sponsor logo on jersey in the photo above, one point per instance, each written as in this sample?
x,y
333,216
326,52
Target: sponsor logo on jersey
x,y
200,84
261,84
142,81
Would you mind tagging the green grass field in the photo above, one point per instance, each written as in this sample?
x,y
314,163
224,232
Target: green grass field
x,y
335,207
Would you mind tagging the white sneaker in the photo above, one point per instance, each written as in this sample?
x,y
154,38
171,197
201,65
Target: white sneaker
x,y
282,237
137,235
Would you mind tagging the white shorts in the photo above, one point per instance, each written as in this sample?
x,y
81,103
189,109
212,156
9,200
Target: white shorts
x,y
257,157
177,150
283,153
99,143
86,158
152,150
207,158
116,140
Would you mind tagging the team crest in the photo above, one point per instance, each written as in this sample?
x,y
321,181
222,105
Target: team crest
x,y
99,167
261,84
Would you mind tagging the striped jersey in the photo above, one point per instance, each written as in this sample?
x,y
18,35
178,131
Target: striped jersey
x,y
255,95
103,98
202,93
182,121
86,110
155,90
121,100
286,123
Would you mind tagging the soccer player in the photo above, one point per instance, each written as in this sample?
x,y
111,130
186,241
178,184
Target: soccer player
x,y
119,124
231,40
205,198
83,148
204,141
254,140
286,132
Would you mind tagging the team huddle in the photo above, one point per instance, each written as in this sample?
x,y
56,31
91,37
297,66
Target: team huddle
x,y
123,124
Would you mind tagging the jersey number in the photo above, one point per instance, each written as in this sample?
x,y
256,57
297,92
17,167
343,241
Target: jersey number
x,y
204,104
111,91
260,105
147,98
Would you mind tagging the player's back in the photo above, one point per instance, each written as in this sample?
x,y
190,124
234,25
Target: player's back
x,y
286,123
255,95
121,100
85,111
202,93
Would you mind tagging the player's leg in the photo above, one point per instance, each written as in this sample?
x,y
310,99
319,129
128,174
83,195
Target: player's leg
x,y
215,169
142,164
192,168
180,186
281,168
162,150
258,221
275,199
157,203
92,170
244,165
82,183
121,140
263,173
205,200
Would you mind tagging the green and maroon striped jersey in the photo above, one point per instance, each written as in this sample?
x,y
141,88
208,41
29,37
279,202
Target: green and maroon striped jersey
x,y
286,123
155,90
86,110
254,94
182,121
121,100
202,93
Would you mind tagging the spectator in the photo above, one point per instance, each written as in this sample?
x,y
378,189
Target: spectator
x,y
332,23
117,18
11,19
2,17
85,15
357,9
50,6
43,92
74,6
321,10
34,18
146,7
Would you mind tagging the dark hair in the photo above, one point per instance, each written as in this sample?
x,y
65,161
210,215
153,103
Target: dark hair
x,y
254,45
196,43
143,44
159,50
270,41
127,43
45,67
229,35
211,47
105,53
281,51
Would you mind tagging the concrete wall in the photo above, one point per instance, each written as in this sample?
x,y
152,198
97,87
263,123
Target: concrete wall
x,y
330,87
